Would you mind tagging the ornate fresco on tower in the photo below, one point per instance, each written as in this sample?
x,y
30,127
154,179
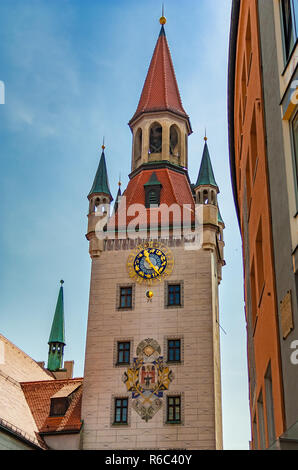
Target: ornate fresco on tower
x,y
147,378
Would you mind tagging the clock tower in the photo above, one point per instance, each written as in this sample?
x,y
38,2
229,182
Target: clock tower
x,y
152,366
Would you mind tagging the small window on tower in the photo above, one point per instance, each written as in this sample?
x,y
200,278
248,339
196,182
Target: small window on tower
x,y
125,297
174,410
123,352
174,294
121,411
174,350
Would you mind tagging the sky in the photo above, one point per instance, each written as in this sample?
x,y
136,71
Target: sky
x,y
73,72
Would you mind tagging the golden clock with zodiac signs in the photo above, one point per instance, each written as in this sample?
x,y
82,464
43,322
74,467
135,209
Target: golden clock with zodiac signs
x,y
150,262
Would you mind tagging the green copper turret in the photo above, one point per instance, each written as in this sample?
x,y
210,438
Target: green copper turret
x,y
206,175
57,337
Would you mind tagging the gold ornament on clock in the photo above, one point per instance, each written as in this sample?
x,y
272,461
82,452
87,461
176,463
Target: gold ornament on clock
x,y
150,262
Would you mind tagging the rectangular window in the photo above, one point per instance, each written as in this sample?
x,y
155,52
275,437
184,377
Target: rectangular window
x,y
248,184
260,262
123,352
269,406
174,350
261,422
173,409
253,146
254,309
59,406
295,159
289,11
248,46
255,434
125,297
121,409
174,294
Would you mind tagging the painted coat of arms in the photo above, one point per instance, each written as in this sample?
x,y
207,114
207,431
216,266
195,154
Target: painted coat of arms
x,y
147,378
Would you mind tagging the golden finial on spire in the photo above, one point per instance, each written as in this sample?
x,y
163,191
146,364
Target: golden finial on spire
x,y
103,143
163,19
205,138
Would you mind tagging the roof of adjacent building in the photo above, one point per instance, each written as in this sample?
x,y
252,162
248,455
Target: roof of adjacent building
x,y
101,181
160,91
26,390
38,396
15,414
57,334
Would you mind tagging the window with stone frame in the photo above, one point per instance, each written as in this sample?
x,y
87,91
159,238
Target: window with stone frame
x,y
174,409
123,352
125,297
174,295
121,411
295,156
289,13
174,350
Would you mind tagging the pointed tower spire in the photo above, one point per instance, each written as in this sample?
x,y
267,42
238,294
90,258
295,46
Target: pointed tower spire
x,y
101,182
118,198
57,336
160,91
206,175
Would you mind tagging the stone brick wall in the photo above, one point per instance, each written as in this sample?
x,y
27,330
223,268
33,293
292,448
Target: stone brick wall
x,y
196,379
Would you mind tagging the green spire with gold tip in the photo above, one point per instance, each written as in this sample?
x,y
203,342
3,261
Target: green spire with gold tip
x,y
206,175
57,336
101,182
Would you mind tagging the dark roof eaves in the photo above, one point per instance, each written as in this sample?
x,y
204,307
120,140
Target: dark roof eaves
x,y
231,96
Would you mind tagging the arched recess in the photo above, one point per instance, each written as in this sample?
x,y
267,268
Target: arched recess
x,y
175,141
155,138
138,144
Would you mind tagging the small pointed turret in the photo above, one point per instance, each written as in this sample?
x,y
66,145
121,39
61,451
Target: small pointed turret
x,y
118,198
206,175
101,182
57,336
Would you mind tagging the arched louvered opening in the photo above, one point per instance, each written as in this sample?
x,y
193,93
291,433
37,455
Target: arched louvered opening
x,y
155,138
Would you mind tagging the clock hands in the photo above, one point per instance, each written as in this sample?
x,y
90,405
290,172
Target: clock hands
x,y
146,254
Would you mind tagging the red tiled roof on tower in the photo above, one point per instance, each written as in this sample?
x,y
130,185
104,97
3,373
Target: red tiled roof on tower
x,y
175,191
160,91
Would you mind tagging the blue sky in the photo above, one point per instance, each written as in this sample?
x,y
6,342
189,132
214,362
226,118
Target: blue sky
x,y
73,73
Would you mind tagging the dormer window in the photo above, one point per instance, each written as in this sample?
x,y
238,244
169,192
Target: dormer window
x,y
153,197
61,400
59,406
152,191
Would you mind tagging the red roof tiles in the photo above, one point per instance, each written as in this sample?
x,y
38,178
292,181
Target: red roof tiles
x,y
175,190
160,91
38,396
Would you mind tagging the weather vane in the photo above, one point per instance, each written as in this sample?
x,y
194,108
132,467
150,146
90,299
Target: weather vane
x,y
163,19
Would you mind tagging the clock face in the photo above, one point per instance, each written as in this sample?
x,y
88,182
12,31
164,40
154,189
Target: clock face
x,y
150,262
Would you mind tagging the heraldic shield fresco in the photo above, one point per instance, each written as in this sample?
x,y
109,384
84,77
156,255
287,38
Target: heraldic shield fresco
x,y
147,378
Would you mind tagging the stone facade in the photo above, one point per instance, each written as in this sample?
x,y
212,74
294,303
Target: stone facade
x,y
196,379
